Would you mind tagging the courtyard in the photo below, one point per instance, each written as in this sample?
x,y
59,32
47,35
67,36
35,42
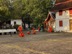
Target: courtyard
x,y
40,43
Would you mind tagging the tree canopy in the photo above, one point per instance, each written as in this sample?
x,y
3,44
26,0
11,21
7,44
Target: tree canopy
x,y
36,9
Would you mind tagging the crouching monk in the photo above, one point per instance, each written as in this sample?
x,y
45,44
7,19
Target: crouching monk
x,y
20,29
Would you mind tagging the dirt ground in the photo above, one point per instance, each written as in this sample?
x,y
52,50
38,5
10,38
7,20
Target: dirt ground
x,y
40,43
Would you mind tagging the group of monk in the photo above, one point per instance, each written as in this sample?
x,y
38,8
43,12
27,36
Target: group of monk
x,y
33,31
21,34
49,29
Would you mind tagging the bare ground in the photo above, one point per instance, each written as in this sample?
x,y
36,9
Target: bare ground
x,y
41,43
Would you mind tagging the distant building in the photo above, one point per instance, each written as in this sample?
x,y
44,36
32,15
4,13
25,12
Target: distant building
x,y
10,26
7,24
63,10
17,21
50,20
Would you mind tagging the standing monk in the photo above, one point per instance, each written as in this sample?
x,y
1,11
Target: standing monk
x,y
38,28
49,29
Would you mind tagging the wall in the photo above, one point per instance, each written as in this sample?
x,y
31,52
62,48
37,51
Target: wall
x,y
18,21
65,18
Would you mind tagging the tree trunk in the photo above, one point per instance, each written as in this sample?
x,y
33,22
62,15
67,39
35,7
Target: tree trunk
x,y
24,26
28,25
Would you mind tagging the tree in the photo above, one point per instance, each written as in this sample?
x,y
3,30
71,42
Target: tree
x,y
4,13
9,9
25,9
37,9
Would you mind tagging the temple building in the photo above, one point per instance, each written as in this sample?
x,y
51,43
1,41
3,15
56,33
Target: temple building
x,y
63,15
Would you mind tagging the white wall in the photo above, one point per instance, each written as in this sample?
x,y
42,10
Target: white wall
x,y
64,15
18,21
65,26
65,18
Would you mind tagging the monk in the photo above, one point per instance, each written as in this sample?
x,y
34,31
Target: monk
x,y
28,32
20,29
50,29
33,30
38,28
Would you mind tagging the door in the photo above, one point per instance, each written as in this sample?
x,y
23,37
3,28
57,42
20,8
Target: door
x,y
70,24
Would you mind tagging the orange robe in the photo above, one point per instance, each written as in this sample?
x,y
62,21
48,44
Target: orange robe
x,y
21,34
50,29
20,28
33,31
38,28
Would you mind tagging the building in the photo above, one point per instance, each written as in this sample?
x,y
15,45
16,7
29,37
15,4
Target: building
x,y
63,10
10,26
17,21
50,20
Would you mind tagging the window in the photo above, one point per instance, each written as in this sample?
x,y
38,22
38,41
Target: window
x,y
60,12
60,23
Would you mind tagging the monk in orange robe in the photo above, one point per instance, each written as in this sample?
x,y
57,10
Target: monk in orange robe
x,y
49,29
21,34
33,31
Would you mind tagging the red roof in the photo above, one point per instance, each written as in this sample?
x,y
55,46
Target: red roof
x,y
59,1
62,4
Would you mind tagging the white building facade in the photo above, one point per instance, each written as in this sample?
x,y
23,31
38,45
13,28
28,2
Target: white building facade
x,y
17,21
63,21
